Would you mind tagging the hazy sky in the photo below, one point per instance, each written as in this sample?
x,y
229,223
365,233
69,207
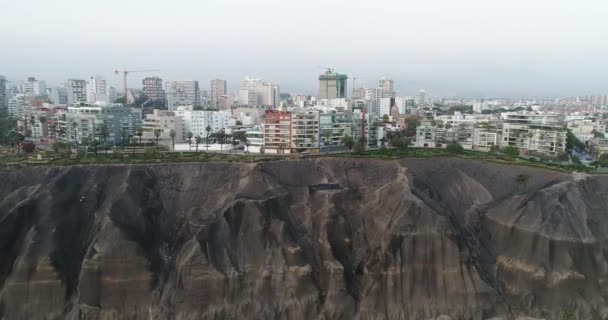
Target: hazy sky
x,y
448,47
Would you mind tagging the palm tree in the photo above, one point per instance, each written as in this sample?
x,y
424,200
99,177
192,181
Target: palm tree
x,y
53,128
221,136
190,135
207,130
172,134
75,127
86,141
140,133
104,132
198,140
133,143
124,138
157,133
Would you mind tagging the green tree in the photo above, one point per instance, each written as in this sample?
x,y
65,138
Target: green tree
x,y
385,118
399,142
140,134
221,136
348,142
511,151
95,144
198,140
124,138
327,134
360,146
190,135
455,148
573,142
53,128
172,135
104,131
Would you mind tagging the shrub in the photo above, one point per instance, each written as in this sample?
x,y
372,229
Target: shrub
x,y
455,148
511,151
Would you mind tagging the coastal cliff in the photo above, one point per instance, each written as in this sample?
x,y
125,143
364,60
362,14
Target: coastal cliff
x,y
303,239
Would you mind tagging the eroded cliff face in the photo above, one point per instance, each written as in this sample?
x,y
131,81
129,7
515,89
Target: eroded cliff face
x,y
309,239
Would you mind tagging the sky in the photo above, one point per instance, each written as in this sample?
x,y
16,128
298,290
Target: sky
x,y
482,48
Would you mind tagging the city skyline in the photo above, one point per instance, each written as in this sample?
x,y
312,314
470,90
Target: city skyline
x,y
469,48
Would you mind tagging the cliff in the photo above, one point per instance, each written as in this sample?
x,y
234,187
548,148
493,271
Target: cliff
x,y
307,239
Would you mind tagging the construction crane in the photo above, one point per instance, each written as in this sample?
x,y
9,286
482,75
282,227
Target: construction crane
x,y
124,75
329,70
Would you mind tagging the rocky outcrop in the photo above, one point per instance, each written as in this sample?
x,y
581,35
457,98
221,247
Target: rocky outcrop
x,y
306,239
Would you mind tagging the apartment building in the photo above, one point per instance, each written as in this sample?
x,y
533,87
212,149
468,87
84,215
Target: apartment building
x,y
277,132
165,121
542,134
87,121
305,131
332,127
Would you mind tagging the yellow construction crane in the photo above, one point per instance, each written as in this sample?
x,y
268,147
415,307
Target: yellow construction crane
x,y
124,75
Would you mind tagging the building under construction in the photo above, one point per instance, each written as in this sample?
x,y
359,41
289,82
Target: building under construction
x,y
332,85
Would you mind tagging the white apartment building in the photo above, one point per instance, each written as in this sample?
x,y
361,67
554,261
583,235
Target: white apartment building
x,y
259,92
97,89
585,129
196,121
17,105
217,88
33,87
165,121
255,140
76,91
59,95
181,93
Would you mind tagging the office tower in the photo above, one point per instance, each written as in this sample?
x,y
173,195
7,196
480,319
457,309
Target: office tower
x,y
3,95
153,88
217,89
332,85
386,85
97,89
181,93
59,95
76,91
32,87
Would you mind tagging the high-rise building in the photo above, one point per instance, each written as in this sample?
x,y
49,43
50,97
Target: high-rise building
x,y
181,93
259,92
153,88
421,98
112,94
332,85
33,87
97,89
59,94
3,95
386,85
217,89
76,91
